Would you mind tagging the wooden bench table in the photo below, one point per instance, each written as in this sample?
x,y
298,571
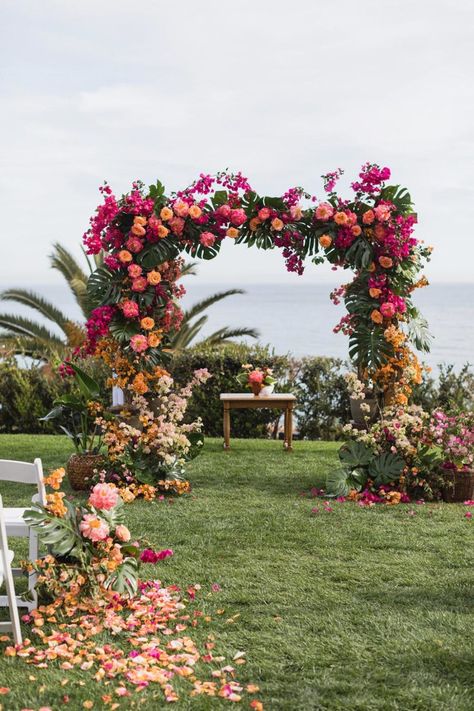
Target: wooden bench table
x,y
275,401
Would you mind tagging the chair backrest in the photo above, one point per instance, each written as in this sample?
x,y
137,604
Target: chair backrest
x,y
24,473
7,576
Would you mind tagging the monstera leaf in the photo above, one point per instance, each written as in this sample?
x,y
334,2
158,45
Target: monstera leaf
x,y
124,579
155,254
59,534
355,454
103,287
339,482
386,468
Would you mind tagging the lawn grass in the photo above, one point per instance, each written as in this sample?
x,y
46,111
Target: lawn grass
x,y
354,609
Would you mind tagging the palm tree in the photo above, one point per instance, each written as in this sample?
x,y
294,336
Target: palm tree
x,y
23,335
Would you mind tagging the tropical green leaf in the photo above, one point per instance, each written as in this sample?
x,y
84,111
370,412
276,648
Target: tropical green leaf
x,y
340,481
355,454
124,579
385,468
89,387
103,287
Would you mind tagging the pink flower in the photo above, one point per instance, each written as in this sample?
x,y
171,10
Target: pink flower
x,y
207,239
368,217
134,271
181,208
324,211
93,528
134,245
387,309
139,284
255,376
382,213
150,556
104,497
176,225
224,211
130,309
238,217
264,213
122,533
468,514
139,343
215,587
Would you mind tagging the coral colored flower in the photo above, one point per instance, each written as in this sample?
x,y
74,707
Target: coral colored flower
x,y
372,267
93,528
162,231
130,309
138,230
387,309
122,533
139,343
376,316
139,220
382,213
277,224
375,293
256,376
134,271
254,223
147,323
166,213
104,497
385,262
134,245
264,213
181,208
124,256
340,218
153,277
232,232
139,284
368,217
176,225
325,241
356,230
238,217
224,211
324,211
154,340
207,239
195,212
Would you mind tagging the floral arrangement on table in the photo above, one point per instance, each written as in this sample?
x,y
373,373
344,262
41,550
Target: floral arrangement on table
x,y
257,379
144,232
90,547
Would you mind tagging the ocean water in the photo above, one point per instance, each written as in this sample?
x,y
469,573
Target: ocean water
x,y
300,318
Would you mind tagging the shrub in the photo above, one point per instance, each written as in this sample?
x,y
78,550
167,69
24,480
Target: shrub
x,y
451,392
323,401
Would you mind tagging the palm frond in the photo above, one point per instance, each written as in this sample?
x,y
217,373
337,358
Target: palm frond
x,y
19,325
224,335
62,260
201,306
12,345
186,333
189,269
35,301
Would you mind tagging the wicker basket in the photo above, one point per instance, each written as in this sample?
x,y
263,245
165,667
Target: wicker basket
x,y
459,485
80,469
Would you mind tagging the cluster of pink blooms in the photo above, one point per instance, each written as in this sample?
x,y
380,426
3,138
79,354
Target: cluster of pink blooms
x,y
371,179
151,556
454,434
97,326
103,497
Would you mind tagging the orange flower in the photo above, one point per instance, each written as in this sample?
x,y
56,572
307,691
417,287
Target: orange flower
x,y
254,223
232,232
166,213
54,480
375,293
139,220
371,267
376,316
124,256
385,262
277,224
325,241
340,218
162,231
55,504
154,339
195,211
138,230
147,323
153,277
139,385
356,230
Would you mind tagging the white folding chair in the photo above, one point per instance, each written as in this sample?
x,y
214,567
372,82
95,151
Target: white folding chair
x,y
6,557
23,473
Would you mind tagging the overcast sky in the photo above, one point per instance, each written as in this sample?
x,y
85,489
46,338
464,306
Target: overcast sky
x,y
284,91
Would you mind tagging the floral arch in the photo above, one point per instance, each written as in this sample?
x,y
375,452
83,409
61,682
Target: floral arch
x,y
143,234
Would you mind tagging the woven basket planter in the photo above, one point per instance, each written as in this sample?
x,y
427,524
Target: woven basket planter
x,y
459,485
80,469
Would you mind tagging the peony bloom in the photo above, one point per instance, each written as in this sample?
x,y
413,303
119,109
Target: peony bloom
x,y
130,309
232,232
238,217
387,309
138,230
277,224
104,497
385,262
134,245
255,376
264,213
93,528
207,239
134,271
224,211
181,208
153,277
122,533
340,218
376,316
325,241
195,212
147,323
139,343
139,284
166,213
368,217
324,211
124,256
176,225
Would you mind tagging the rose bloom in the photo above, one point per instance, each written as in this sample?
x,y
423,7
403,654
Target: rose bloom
x,y
93,528
124,256
153,223
232,232
387,309
224,210
162,231
375,293
139,284
356,230
139,220
138,230
254,223
134,245
238,217
325,241
153,277
154,340
371,267
263,214
382,213
379,231
104,497
180,208
166,213
324,211
255,376
376,316
176,225
122,533
368,217
139,343
195,212
130,309
134,271
277,224
385,262
147,323
207,239
340,218
296,212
